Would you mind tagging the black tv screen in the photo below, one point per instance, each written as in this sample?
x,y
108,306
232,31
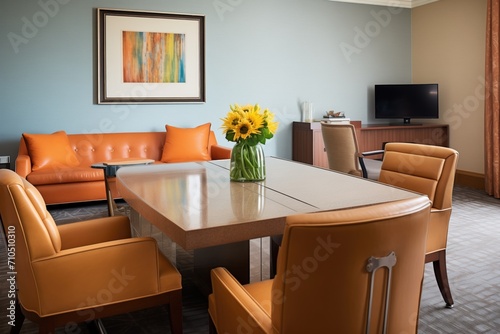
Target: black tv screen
x,y
406,101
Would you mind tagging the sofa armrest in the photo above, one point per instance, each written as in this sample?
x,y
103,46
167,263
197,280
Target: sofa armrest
x,y
232,303
218,152
94,231
111,271
23,165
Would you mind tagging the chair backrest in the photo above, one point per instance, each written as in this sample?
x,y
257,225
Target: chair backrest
x,y
341,147
426,169
323,278
24,214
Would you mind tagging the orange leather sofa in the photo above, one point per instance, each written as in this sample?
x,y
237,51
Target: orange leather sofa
x,y
79,182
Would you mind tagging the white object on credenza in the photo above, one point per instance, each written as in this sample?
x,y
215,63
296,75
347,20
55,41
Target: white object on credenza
x,y
307,111
340,120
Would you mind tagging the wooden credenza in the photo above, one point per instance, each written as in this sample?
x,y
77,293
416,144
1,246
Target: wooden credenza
x,y
308,147
307,144
373,137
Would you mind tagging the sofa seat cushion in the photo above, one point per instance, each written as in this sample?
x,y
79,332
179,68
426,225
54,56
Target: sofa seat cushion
x,y
65,175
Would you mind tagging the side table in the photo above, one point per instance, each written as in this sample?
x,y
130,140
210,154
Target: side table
x,y
109,168
5,162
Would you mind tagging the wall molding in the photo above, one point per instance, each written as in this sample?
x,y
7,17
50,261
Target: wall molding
x,y
391,3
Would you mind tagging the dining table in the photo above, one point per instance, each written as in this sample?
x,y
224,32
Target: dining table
x,y
195,206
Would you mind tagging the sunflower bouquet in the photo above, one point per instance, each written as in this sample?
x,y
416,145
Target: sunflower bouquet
x,y
248,126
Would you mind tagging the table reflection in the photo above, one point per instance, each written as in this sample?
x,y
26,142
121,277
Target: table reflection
x,y
247,200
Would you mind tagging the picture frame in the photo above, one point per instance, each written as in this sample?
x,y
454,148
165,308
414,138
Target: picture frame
x,y
150,57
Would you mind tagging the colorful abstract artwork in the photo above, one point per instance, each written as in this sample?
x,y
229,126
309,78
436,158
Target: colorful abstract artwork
x,y
153,57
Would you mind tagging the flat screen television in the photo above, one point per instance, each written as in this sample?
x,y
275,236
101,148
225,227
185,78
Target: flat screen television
x,y
406,101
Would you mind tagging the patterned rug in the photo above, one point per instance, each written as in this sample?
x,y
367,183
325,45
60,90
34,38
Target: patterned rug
x,y
473,269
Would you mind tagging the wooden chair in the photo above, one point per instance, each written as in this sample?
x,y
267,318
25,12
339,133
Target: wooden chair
x,y
428,170
349,271
81,271
343,153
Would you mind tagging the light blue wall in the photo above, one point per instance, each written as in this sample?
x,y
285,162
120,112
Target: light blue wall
x,y
276,53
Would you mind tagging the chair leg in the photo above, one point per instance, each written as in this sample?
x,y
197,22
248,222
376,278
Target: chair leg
x,y
275,247
438,260
46,327
175,312
211,326
16,329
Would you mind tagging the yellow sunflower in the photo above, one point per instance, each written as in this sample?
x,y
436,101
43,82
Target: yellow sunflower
x,y
255,118
249,108
243,129
249,123
271,124
231,121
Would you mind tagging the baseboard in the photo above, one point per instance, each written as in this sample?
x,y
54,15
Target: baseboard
x,y
469,179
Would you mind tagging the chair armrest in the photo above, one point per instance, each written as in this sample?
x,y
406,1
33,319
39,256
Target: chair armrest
x,y
364,171
233,304
218,152
97,274
23,165
369,153
94,231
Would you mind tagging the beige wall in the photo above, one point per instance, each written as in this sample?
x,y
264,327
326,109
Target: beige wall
x,y
448,47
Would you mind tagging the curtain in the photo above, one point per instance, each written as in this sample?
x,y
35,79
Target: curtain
x,y
492,102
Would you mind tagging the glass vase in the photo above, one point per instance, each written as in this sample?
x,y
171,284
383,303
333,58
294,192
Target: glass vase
x,y
247,162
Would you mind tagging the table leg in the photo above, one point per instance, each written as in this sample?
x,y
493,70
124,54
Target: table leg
x,y
235,257
247,260
109,197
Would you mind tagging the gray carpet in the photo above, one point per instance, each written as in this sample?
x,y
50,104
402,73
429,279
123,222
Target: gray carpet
x,y
473,259
473,269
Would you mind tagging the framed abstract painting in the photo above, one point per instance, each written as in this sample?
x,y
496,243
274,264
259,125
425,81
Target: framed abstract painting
x,y
150,57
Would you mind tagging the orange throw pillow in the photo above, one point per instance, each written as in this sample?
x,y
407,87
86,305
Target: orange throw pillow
x,y
186,144
50,151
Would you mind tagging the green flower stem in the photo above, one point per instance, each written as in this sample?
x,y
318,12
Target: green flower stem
x,y
247,162
247,166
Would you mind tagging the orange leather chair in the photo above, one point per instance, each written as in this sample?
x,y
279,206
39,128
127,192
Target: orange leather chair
x,y
81,271
348,271
343,153
428,170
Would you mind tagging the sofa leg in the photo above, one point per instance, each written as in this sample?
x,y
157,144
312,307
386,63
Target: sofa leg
x,y
438,260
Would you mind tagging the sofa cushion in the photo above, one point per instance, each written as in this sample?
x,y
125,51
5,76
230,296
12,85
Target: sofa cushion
x,y
67,175
186,144
50,151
